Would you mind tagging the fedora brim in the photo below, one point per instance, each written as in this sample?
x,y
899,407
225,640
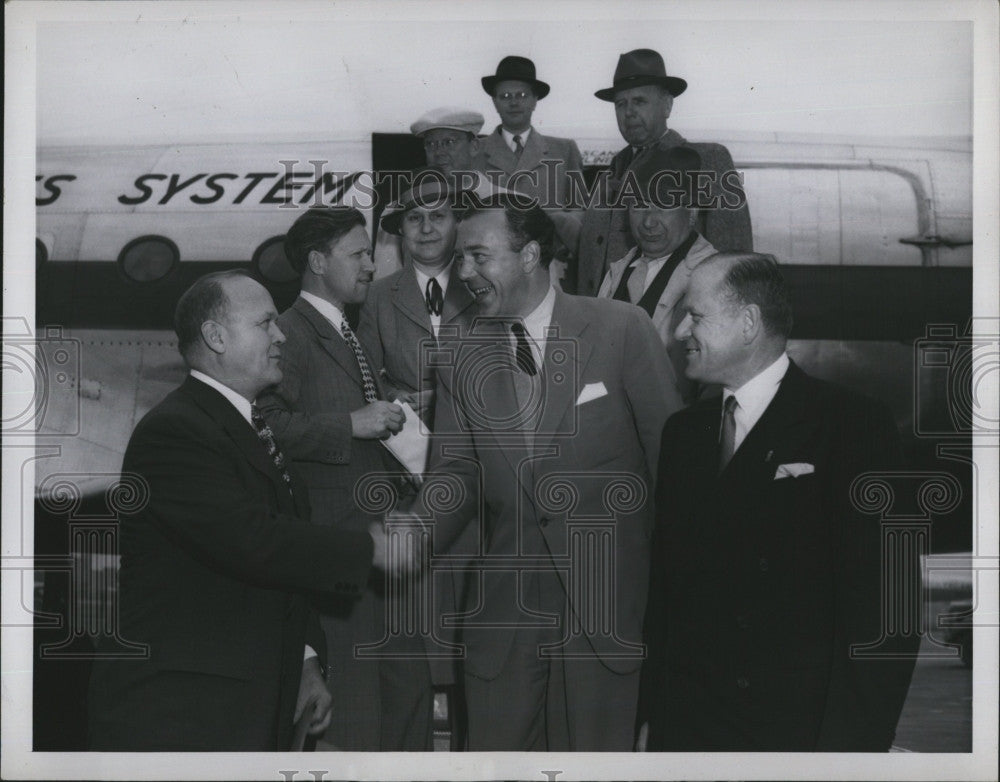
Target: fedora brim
x,y
674,85
540,87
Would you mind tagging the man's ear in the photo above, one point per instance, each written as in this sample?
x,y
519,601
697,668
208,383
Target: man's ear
x,y
214,336
531,256
474,146
752,323
315,262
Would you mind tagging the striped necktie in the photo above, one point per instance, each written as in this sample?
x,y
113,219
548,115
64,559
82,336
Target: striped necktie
x,y
266,436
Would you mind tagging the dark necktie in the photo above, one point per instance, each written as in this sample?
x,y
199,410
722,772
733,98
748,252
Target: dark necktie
x,y
266,436
631,290
522,353
367,379
433,297
518,146
727,436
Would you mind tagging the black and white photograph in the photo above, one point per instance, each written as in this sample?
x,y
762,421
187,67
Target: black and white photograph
x,y
418,389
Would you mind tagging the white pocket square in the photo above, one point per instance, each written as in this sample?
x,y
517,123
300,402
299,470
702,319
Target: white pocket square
x,y
795,470
590,392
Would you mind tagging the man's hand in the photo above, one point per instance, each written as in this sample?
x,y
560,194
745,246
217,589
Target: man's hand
x,y
420,401
377,421
643,738
314,694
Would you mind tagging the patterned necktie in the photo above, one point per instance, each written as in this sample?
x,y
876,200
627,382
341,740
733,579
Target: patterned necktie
x,y
266,436
433,297
727,437
522,353
518,146
367,379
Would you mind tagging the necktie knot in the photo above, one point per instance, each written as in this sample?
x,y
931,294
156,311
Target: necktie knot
x,y
518,144
522,351
434,297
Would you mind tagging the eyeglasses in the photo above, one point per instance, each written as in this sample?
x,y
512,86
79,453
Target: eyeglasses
x,y
445,143
511,95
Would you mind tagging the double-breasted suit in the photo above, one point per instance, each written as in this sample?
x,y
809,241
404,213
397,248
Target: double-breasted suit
x,y
604,232
216,561
762,583
376,707
548,482
544,170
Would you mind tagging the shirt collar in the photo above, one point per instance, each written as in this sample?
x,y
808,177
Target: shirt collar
x,y
509,137
756,394
442,277
537,321
329,311
240,402
636,150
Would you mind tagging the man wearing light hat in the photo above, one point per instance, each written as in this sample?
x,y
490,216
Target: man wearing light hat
x,y
527,161
654,274
643,95
451,145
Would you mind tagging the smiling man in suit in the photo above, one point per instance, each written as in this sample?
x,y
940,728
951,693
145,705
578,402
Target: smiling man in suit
x,y
643,95
329,412
523,159
217,562
548,397
764,573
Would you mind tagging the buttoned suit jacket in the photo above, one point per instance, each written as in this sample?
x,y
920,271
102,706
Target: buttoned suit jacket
x,y
217,557
586,462
549,183
310,413
604,232
761,586
394,321
667,315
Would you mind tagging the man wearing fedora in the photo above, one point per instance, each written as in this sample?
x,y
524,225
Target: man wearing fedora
x,y
654,274
643,95
523,159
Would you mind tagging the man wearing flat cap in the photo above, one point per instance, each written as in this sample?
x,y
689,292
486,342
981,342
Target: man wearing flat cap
x,y
654,274
451,143
524,159
643,95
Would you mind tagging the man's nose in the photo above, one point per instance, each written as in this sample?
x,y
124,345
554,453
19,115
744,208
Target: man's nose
x,y
683,330
425,225
277,335
464,267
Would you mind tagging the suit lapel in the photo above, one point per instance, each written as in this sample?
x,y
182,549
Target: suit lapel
x,y
236,427
499,154
331,341
457,298
785,422
409,300
561,379
534,151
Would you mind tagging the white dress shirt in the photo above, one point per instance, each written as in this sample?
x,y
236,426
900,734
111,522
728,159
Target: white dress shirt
x,y
422,279
536,324
242,405
329,311
508,138
753,397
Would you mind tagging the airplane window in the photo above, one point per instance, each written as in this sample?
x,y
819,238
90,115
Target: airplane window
x,y
148,258
271,262
41,252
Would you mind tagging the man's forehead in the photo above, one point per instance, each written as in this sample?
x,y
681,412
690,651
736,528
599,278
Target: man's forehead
x,y
513,85
437,133
650,91
247,296
353,240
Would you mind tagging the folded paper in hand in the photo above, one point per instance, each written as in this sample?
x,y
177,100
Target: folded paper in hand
x,y
793,470
411,443
590,392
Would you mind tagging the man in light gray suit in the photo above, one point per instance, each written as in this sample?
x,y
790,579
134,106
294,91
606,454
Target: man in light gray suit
x,y
525,161
329,413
